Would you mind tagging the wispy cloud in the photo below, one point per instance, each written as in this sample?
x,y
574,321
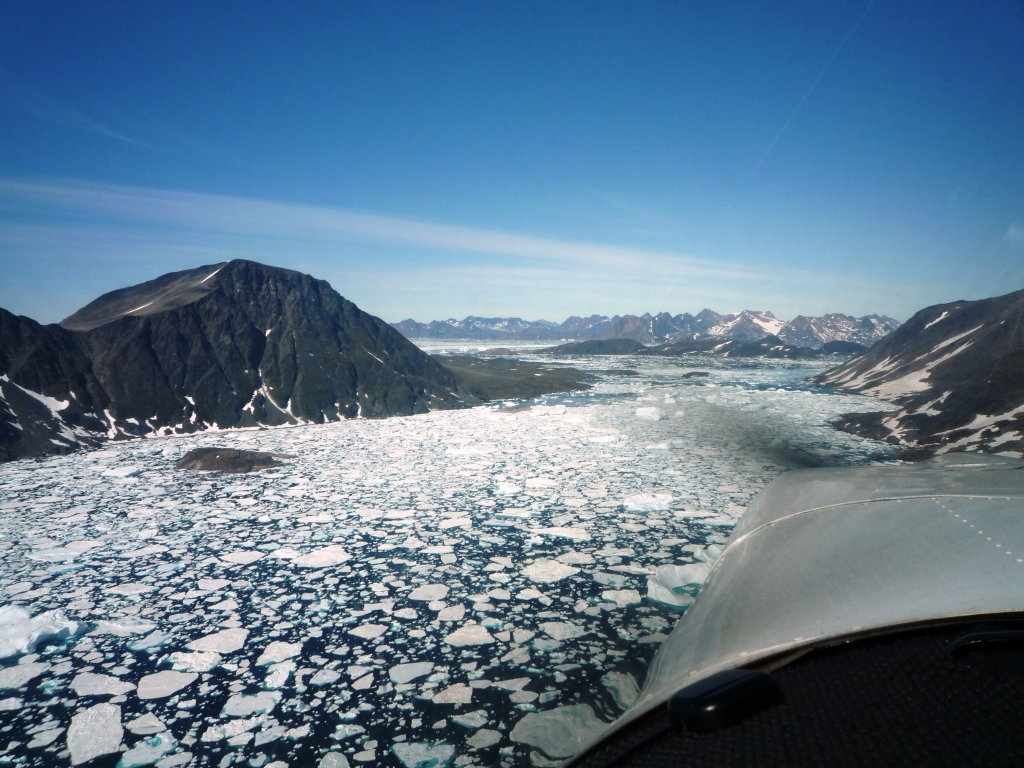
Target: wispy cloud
x,y
22,97
247,218
1015,234
102,237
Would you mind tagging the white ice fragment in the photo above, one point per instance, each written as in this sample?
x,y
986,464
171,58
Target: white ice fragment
x,y
323,557
423,754
368,631
623,688
529,594
471,634
325,677
231,729
674,585
197,661
471,720
225,641
20,632
242,557
279,651
15,677
621,597
562,630
333,760
452,613
573,557
649,502
429,592
146,725
576,534
95,731
560,732
163,684
243,705
91,684
212,585
549,571
513,684
458,694
130,589
653,414
406,673
123,626
278,674
148,751
483,738
122,472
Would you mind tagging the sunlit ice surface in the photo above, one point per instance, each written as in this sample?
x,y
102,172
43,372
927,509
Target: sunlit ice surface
x,y
470,587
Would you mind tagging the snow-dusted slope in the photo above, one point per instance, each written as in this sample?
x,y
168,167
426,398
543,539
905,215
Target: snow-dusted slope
x,y
957,372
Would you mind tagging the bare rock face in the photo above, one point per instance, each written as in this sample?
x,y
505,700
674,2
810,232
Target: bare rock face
x,y
228,460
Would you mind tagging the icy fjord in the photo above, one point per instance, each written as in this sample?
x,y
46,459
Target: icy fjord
x,y
469,587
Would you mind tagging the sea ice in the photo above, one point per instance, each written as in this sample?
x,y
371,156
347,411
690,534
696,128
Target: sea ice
x,y
225,641
621,597
20,632
429,592
471,634
484,738
146,724
333,760
91,684
95,731
368,631
562,630
623,688
460,693
322,558
675,585
243,557
549,571
649,502
279,651
148,751
559,733
15,677
562,532
242,705
406,673
163,684
197,661
654,414
425,754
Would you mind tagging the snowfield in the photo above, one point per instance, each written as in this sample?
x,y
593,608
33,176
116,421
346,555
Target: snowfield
x,y
458,588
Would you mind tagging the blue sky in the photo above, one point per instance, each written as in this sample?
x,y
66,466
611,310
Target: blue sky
x,y
535,159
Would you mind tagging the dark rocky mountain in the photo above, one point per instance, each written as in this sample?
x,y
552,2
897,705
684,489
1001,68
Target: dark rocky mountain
x,y
595,347
229,345
663,328
769,346
954,371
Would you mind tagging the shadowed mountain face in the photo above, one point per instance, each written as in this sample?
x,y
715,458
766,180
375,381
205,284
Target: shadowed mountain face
x,y
232,345
956,371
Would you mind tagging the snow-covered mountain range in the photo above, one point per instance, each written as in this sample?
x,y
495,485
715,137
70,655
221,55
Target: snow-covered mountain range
x,y
748,325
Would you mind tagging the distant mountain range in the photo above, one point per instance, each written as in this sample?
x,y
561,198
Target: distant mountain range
x,y
662,328
956,373
228,345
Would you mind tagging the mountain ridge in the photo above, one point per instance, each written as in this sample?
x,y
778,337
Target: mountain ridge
x,y
748,325
955,373
226,345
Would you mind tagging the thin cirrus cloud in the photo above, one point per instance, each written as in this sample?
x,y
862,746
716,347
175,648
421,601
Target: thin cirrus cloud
x,y
24,98
163,213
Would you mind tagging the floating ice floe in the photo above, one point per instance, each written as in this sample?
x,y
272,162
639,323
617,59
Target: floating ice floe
x,y
123,626
460,693
95,731
368,631
322,558
406,673
20,632
197,661
676,585
561,532
243,705
17,676
146,724
560,732
623,688
621,597
163,684
654,414
425,754
549,571
225,641
148,751
244,557
278,651
122,472
429,592
91,684
648,502
471,634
